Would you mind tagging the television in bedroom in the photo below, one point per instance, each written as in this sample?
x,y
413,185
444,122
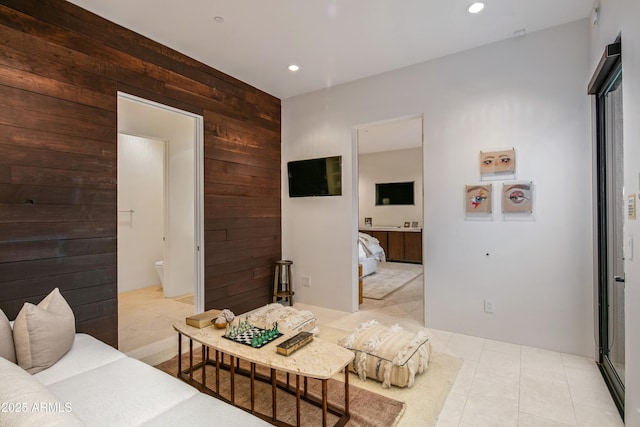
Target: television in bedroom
x,y
395,193
315,177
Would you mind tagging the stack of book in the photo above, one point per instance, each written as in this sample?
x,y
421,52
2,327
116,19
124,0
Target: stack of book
x,y
203,320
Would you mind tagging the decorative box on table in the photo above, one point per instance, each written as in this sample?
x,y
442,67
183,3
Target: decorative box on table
x,y
203,320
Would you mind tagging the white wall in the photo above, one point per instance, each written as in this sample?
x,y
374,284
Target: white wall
x,y
622,16
528,93
141,189
179,130
389,166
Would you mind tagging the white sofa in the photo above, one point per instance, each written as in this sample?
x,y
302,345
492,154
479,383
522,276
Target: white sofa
x,y
96,385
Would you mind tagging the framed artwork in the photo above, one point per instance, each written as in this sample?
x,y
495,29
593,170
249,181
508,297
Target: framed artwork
x,y
517,197
414,224
368,222
497,163
478,199
406,224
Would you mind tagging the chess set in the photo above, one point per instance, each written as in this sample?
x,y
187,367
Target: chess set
x,y
250,335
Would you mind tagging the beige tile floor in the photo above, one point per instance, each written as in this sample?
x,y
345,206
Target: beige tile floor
x,y
145,318
499,384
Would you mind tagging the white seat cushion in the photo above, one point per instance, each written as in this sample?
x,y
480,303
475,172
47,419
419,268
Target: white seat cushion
x,y
204,411
26,402
123,393
86,353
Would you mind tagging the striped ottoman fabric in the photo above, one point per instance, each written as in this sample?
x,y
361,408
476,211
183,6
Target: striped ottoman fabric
x,y
388,354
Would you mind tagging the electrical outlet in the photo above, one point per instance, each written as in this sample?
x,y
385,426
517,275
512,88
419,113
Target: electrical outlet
x,y
306,281
488,306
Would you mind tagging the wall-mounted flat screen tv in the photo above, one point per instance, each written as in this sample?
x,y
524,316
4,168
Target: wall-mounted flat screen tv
x,y
395,193
315,177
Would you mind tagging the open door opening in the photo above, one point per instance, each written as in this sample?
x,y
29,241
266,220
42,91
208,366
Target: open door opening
x,y
160,229
390,213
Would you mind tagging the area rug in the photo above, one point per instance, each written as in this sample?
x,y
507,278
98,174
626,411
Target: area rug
x,y
426,398
367,408
389,277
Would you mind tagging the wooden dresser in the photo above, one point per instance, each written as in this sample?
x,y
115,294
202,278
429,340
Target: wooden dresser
x,y
399,244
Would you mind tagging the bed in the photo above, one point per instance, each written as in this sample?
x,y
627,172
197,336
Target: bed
x,y
369,253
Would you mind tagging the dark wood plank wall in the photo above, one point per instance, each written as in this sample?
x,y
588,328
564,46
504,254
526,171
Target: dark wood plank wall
x,y
60,70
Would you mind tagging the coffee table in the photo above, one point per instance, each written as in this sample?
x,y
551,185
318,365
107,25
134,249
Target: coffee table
x,y
319,360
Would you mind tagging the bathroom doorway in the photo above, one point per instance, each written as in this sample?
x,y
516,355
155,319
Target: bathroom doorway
x,y
142,211
160,230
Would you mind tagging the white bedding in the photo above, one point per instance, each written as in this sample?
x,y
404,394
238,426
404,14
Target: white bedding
x,y
369,253
370,247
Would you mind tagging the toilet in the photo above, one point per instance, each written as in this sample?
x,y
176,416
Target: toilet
x,y
160,270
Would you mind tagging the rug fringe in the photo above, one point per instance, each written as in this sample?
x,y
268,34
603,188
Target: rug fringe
x,y
397,420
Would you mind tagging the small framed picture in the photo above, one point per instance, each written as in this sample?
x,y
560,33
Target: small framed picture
x,y
517,197
497,164
414,224
477,199
406,224
368,222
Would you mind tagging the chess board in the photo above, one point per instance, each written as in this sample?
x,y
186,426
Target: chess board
x,y
246,337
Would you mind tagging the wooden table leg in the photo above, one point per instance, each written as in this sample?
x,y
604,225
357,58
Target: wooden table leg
x,y
273,393
190,359
346,390
298,400
324,403
253,386
217,372
232,377
305,387
204,365
179,354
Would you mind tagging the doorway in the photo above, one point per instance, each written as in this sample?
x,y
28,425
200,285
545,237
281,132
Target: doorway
x,y
390,212
142,211
611,221
148,131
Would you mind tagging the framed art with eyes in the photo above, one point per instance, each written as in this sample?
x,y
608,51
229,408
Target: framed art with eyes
x,y
497,163
477,199
517,197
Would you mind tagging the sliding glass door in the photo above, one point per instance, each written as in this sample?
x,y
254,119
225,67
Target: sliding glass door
x,y
611,217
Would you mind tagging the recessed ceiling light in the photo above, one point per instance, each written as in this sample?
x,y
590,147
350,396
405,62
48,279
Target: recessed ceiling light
x,y
293,67
219,19
475,7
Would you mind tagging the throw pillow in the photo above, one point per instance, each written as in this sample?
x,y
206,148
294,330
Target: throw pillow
x,y
44,333
26,402
7,349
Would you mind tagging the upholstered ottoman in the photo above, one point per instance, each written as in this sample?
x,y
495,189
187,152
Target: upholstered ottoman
x,y
287,317
388,354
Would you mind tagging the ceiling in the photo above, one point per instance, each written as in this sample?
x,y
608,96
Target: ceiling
x,y
390,136
333,41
